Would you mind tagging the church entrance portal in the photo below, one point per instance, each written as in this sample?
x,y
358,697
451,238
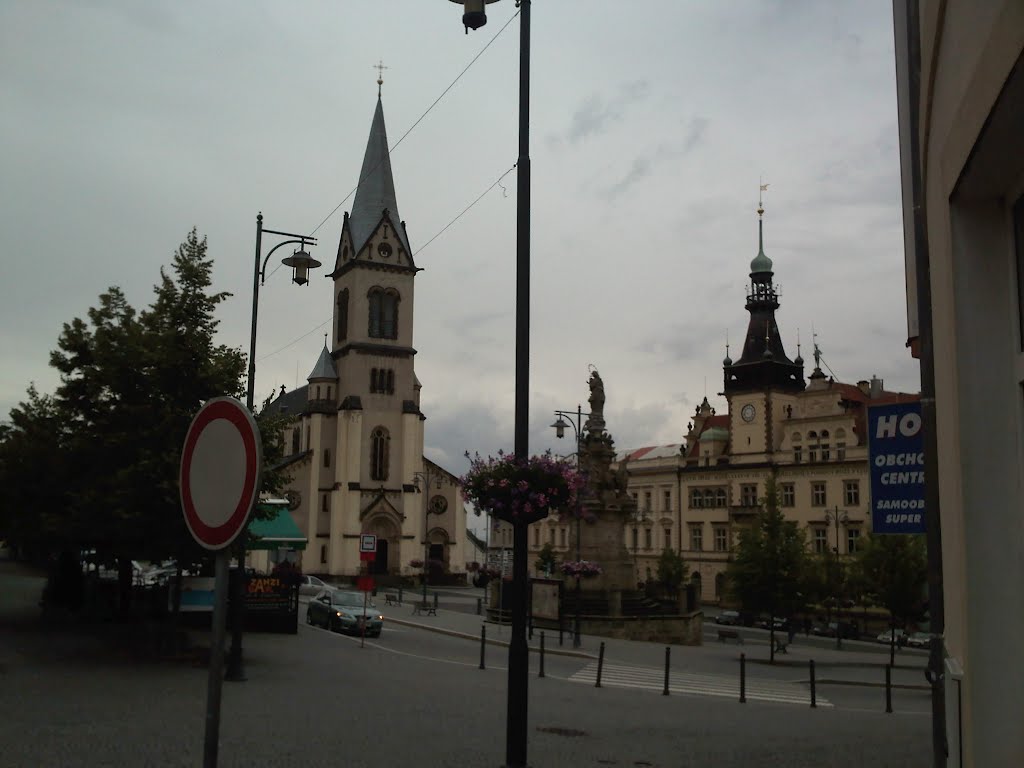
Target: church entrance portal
x,y
380,562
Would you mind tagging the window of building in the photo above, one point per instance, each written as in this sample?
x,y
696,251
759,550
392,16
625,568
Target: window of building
x,y
798,454
668,501
342,314
323,553
820,541
709,498
551,536
323,503
562,536
720,497
697,536
788,495
379,439
824,445
536,536
647,500
327,457
721,538
852,540
317,397
383,322
852,493
696,498
818,498
648,538
748,494
668,538
636,539
840,444
296,435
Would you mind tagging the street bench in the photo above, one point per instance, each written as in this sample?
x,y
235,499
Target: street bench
x,y
781,646
392,598
424,609
729,634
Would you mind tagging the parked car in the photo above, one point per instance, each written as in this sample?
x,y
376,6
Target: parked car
x,y
765,623
845,629
919,640
342,611
728,618
311,585
886,637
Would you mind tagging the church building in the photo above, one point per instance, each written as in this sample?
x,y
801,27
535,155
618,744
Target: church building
x,y
354,447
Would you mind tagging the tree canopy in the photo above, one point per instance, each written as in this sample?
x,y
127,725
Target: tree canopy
x,y
893,570
95,465
767,571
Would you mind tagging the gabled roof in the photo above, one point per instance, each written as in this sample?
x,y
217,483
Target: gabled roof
x,y
324,368
292,403
376,190
720,421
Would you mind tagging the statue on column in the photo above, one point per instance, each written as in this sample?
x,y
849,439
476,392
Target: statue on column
x,y
595,424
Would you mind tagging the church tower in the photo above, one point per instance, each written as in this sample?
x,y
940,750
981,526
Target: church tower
x,y
764,380
358,454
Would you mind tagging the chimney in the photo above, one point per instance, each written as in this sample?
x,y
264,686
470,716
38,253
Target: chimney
x,y
863,386
876,387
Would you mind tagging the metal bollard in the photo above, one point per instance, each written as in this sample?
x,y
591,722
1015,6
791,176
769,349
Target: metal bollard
x,y
888,688
479,606
541,655
483,644
435,600
743,678
560,633
668,651
399,595
600,665
814,693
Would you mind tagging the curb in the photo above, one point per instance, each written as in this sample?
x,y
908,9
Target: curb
x,y
490,641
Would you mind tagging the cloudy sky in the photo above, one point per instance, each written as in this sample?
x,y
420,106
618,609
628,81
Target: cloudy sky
x,y
126,123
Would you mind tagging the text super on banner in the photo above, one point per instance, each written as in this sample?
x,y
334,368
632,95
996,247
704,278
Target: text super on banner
x,y
896,453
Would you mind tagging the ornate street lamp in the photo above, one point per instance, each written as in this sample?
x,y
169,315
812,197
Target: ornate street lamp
x,y
577,426
838,517
516,724
427,477
300,262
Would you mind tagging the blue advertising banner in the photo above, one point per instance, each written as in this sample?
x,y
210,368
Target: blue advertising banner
x,y
896,453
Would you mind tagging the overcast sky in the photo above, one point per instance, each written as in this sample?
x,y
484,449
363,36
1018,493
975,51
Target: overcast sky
x,y
124,124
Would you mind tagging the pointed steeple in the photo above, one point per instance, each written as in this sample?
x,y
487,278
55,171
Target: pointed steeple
x,y
324,368
376,191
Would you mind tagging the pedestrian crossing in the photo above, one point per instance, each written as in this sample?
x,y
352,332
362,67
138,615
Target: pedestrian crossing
x,y
648,678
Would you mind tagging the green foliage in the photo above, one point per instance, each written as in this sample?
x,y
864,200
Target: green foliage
x,y
671,570
827,579
546,561
893,570
96,465
768,567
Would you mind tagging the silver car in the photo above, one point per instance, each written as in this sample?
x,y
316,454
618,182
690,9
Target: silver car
x,y
339,611
311,585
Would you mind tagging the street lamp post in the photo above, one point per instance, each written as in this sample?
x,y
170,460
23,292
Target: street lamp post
x,y
474,17
838,517
577,426
300,262
428,477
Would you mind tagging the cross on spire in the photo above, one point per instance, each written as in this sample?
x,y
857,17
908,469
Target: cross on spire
x,y
379,66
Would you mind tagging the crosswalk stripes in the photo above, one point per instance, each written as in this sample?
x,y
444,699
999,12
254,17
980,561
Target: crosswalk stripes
x,y
647,678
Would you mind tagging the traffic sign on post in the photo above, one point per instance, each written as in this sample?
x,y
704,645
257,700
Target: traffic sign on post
x,y
220,472
368,542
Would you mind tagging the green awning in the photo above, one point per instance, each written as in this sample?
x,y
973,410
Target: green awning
x,y
279,531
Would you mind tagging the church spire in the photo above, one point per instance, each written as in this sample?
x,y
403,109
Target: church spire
x,y
376,191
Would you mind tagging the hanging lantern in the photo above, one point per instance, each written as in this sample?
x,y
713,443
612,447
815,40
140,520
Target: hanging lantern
x,y
473,14
300,262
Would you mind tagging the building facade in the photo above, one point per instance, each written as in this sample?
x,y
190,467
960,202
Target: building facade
x,y
355,445
960,74
809,435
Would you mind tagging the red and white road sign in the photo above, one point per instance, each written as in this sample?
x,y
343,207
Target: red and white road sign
x,y
220,471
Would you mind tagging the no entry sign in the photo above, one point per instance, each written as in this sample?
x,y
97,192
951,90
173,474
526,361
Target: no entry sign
x,y
220,471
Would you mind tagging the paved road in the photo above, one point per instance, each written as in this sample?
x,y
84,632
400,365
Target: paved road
x,y
417,695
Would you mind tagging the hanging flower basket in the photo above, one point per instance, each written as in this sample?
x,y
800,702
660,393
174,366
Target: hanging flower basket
x,y
581,568
520,490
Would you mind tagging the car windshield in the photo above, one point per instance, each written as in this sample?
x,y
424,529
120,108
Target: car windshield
x,y
351,599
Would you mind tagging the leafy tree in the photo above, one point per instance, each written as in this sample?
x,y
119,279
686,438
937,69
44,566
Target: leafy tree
x,y
767,571
101,456
546,561
671,570
894,570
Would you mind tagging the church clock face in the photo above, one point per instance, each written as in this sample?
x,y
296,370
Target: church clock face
x,y
748,412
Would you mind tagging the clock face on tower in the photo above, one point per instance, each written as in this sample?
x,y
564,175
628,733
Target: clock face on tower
x,y
748,412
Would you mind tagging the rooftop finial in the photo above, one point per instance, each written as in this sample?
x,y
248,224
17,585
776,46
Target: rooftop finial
x,y
760,203
379,66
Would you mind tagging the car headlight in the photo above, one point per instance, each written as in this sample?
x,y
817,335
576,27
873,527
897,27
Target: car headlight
x,y
380,618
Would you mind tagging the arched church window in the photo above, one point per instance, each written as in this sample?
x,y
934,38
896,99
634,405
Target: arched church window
x,y
379,454
383,313
342,312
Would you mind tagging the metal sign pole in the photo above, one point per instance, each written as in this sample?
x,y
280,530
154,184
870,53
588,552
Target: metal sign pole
x,y
216,678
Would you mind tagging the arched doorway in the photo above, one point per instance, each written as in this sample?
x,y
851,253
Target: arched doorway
x,y
380,562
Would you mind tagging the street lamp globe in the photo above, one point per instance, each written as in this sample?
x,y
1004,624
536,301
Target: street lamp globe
x,y
559,427
300,262
473,14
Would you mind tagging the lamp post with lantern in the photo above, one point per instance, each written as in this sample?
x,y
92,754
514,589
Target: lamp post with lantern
x,y
301,262
429,476
474,16
837,517
577,426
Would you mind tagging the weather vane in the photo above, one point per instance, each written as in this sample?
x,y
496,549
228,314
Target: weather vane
x,y
760,204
